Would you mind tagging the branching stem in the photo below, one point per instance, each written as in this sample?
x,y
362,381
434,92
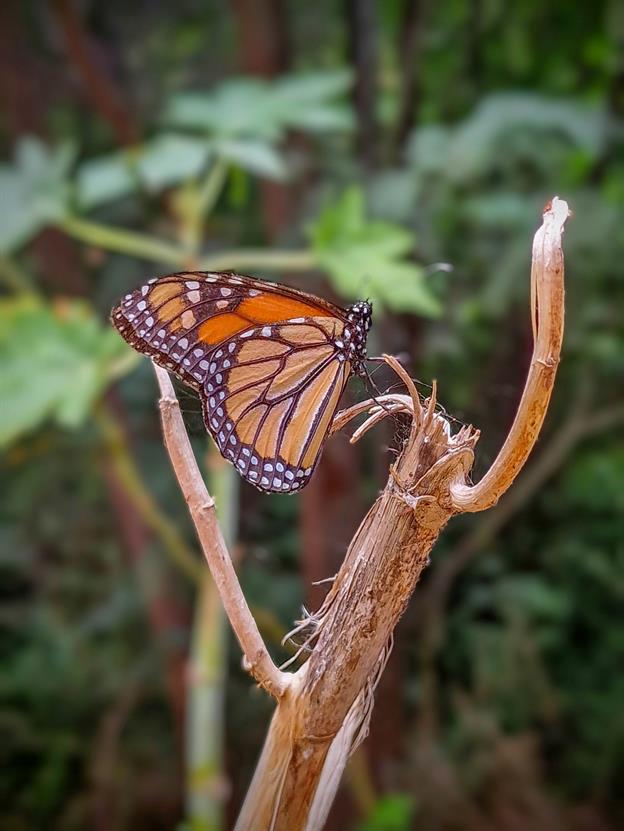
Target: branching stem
x,y
547,296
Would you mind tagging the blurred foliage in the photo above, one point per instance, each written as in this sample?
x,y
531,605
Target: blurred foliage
x,y
391,813
249,107
35,190
514,104
56,361
358,253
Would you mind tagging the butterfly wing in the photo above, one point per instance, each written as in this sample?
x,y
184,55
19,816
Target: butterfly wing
x,y
269,397
263,358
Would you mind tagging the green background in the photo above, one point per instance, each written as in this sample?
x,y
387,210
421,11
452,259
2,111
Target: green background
x,y
401,151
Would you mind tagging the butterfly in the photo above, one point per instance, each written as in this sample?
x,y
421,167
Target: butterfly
x,y
270,363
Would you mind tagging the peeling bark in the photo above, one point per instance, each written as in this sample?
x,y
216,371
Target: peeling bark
x,y
323,709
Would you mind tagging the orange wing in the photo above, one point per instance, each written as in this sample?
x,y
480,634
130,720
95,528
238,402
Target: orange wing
x,y
165,317
264,358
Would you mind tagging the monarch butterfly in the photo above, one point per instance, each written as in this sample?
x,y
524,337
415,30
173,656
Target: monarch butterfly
x,y
269,363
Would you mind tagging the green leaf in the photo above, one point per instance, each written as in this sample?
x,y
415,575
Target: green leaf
x,y
314,87
253,155
169,158
305,101
369,257
35,191
251,108
235,108
392,812
504,131
105,179
241,120
56,360
160,163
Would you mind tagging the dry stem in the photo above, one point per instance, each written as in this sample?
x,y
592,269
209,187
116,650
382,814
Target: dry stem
x,y
324,707
201,506
547,317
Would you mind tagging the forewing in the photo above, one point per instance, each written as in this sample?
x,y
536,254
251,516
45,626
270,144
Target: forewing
x,y
269,396
181,319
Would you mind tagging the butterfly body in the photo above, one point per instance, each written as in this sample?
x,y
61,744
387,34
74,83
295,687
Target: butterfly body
x,y
269,363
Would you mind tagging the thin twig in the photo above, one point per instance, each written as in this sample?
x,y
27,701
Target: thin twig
x,y
201,506
392,403
547,317
135,244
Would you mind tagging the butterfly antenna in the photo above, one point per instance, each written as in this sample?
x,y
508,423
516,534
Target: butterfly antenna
x,y
428,387
376,389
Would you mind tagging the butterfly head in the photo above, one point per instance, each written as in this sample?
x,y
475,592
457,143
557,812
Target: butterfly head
x,y
360,319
